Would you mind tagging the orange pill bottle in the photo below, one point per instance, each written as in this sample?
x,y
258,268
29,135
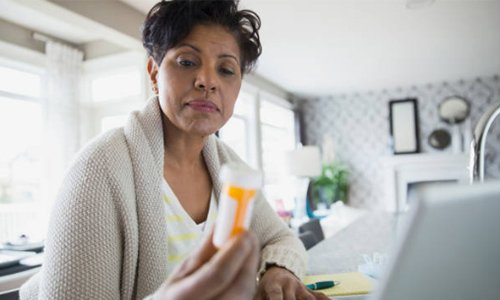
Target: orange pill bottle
x,y
240,186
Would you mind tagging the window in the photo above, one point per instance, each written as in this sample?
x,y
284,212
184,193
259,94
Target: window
x,y
110,122
234,133
113,86
261,129
19,82
277,124
21,169
20,151
117,85
278,136
237,131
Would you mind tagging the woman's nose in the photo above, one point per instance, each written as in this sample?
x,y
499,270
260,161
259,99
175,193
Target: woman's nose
x,y
206,80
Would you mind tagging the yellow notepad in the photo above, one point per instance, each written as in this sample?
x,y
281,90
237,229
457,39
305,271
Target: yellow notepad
x,y
352,283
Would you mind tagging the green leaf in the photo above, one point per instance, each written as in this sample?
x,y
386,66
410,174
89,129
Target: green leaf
x,y
331,185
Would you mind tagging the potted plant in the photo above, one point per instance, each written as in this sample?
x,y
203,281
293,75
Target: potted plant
x,y
332,185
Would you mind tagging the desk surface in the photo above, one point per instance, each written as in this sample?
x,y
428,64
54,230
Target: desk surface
x,y
373,232
343,252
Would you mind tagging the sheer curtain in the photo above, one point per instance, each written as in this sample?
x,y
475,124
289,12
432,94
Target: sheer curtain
x,y
62,113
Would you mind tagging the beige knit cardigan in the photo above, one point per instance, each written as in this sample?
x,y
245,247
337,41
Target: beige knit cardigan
x,y
107,234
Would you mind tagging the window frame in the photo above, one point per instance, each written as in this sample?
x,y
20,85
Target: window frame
x,y
257,95
94,112
22,59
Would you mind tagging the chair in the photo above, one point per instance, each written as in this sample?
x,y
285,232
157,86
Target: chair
x,y
308,239
313,226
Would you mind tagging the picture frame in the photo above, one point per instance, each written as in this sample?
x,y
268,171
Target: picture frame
x,y
403,123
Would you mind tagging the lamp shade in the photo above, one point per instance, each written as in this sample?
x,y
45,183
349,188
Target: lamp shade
x,y
303,162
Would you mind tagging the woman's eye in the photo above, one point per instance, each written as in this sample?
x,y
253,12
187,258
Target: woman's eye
x,y
227,71
186,63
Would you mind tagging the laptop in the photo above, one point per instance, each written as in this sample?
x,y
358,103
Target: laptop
x,y
450,249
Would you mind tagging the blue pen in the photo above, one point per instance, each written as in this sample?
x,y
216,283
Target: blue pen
x,y
322,285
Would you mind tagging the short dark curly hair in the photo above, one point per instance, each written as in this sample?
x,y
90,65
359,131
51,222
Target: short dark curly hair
x,y
169,22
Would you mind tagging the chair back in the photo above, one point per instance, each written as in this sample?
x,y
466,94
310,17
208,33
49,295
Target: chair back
x,y
313,226
308,239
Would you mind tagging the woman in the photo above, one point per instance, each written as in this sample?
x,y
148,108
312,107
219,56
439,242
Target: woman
x,y
112,237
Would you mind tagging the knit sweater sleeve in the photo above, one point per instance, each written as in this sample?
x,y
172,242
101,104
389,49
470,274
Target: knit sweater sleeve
x,y
281,246
82,252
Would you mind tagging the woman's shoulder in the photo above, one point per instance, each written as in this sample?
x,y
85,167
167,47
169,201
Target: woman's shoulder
x,y
108,141
104,151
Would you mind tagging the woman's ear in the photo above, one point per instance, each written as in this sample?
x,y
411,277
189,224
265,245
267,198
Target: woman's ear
x,y
153,73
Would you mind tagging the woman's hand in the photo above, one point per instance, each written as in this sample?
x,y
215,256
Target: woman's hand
x,y
228,273
279,283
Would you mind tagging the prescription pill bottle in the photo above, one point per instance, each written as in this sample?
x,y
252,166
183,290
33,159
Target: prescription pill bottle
x,y
239,188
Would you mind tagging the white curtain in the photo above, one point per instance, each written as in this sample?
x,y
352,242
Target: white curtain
x,y
62,115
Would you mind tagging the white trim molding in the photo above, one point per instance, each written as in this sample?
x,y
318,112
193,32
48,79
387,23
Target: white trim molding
x,y
403,170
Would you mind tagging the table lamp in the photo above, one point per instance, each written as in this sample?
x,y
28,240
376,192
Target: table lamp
x,y
302,163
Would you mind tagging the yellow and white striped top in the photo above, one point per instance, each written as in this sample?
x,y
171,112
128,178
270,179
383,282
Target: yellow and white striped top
x,y
183,234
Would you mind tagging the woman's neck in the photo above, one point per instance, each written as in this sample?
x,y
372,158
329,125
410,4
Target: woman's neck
x,y
182,150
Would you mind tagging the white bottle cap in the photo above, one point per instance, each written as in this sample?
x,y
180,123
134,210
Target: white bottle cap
x,y
241,176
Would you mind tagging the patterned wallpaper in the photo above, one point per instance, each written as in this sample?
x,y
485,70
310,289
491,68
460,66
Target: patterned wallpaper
x,y
358,125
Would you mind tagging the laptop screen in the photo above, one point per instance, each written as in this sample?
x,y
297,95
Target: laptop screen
x,y
451,247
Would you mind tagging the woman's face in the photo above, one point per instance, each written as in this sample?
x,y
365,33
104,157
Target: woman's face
x,y
198,81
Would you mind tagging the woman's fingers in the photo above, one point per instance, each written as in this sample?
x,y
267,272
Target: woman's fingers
x,y
244,284
235,266
280,284
320,296
214,277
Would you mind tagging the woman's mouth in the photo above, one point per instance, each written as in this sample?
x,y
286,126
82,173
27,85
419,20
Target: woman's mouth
x,y
202,105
